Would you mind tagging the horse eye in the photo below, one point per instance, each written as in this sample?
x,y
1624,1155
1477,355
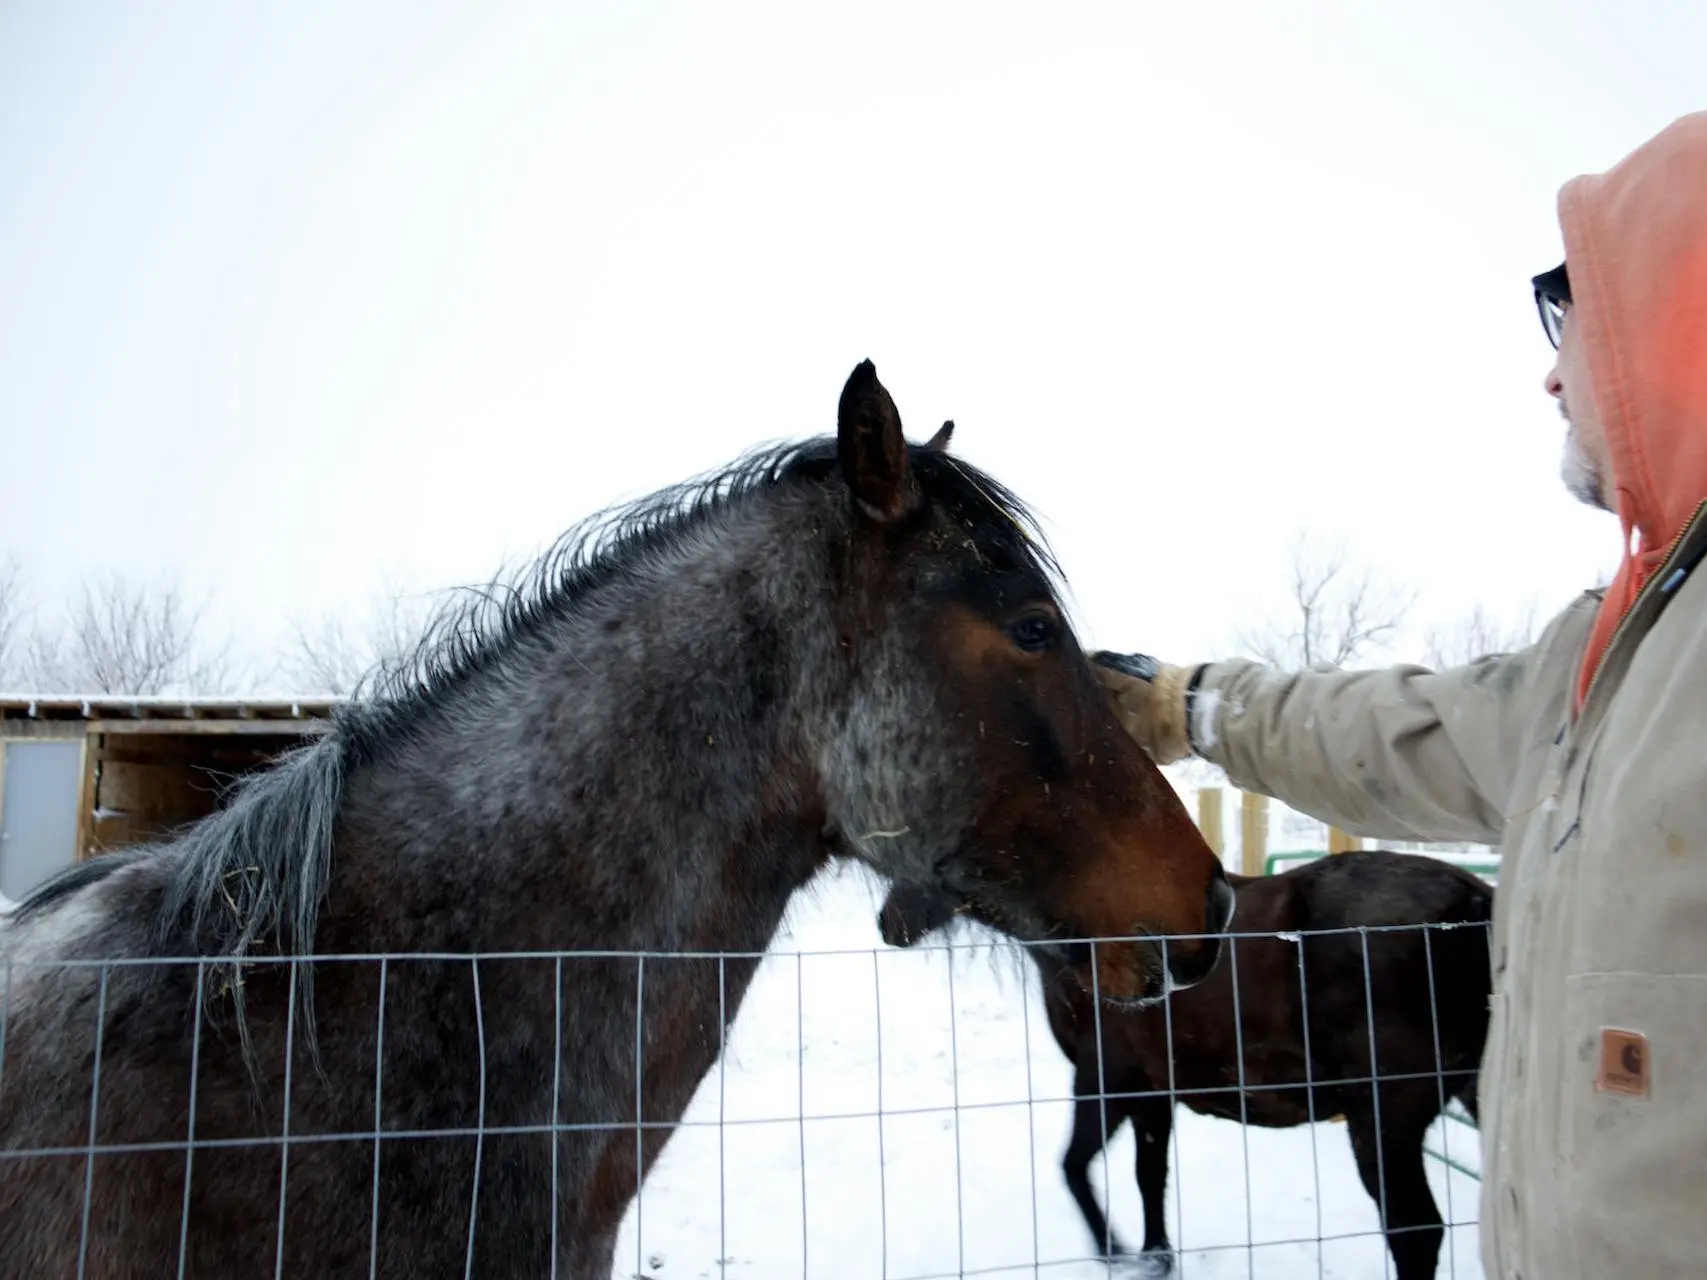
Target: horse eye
x,y
1034,632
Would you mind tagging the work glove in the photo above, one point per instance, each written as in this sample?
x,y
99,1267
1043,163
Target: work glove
x,y
1150,697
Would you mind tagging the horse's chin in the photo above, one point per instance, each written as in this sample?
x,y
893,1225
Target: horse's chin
x,y
1154,987
1135,1002
1075,959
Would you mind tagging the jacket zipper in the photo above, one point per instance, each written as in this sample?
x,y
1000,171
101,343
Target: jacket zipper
x,y
1655,580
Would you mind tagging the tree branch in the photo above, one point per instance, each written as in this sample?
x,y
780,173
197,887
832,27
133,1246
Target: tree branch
x,y
1334,613
120,636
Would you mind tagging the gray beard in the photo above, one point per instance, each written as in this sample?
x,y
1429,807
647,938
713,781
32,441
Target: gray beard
x,y
1581,476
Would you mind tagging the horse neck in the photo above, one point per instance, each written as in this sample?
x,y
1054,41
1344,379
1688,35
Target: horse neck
x,y
637,776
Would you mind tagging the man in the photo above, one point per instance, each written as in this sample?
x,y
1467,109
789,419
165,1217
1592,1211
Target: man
x,y
1584,757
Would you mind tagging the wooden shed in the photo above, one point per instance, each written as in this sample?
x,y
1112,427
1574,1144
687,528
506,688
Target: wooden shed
x,y
80,776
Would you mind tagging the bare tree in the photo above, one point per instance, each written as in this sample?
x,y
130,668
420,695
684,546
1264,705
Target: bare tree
x,y
332,653
325,658
1478,634
124,636
1336,611
11,619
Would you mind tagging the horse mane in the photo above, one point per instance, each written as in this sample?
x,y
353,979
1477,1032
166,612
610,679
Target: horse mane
x,y
256,872
475,628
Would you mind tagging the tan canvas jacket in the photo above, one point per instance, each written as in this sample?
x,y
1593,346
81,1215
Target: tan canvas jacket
x,y
1594,1082
1600,917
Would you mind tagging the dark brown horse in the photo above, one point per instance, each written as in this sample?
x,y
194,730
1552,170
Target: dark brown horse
x,y
427,998
1349,969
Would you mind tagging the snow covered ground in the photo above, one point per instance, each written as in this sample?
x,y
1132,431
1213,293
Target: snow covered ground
x,y
961,1176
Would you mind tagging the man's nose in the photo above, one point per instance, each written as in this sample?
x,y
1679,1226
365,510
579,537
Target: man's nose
x,y
1554,386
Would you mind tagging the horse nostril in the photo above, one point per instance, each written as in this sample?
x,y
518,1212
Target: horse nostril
x,y
1190,962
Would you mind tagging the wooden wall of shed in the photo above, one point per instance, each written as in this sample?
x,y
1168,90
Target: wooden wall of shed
x,y
147,786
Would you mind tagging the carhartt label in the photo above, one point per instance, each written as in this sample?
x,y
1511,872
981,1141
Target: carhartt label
x,y
1623,1063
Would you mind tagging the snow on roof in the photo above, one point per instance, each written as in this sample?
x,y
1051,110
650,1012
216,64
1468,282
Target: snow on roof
x,y
24,706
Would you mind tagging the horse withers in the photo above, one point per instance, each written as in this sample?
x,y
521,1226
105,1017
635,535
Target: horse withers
x,y
427,997
1361,969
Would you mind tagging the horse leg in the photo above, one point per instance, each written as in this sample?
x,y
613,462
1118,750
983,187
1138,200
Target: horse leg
x,y
1089,1138
1412,1223
1153,1127
589,1257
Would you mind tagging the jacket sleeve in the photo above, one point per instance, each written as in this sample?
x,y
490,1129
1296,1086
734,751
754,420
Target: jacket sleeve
x,y
1403,753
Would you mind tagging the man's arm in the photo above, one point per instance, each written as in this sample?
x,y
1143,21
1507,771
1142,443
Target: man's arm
x,y
1402,753
1396,754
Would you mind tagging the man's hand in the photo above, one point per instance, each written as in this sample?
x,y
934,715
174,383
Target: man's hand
x,y
1150,699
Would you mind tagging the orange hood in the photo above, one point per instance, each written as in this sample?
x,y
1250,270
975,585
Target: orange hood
x,y
1636,248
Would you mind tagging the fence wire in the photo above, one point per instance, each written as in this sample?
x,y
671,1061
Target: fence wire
x,y
927,1118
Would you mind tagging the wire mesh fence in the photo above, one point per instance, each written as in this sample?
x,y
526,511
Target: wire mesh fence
x,y
872,1112
976,1105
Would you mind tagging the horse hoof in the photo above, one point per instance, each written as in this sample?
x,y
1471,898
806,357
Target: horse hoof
x,y
1152,1264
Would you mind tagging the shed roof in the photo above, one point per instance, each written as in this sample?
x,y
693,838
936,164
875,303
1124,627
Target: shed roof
x,y
118,714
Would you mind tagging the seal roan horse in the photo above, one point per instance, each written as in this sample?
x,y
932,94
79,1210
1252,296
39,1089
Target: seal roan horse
x,y
332,1029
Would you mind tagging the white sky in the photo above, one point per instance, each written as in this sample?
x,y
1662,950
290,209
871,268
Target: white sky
x,y
295,297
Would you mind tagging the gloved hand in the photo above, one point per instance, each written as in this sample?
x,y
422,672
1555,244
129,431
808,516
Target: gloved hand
x,y
1150,697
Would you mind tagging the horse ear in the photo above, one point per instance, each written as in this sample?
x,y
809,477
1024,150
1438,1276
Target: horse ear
x,y
871,449
939,442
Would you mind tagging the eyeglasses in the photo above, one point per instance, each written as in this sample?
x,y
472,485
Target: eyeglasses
x,y
1552,300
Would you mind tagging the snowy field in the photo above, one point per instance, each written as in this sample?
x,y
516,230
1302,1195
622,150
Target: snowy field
x,y
961,1175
